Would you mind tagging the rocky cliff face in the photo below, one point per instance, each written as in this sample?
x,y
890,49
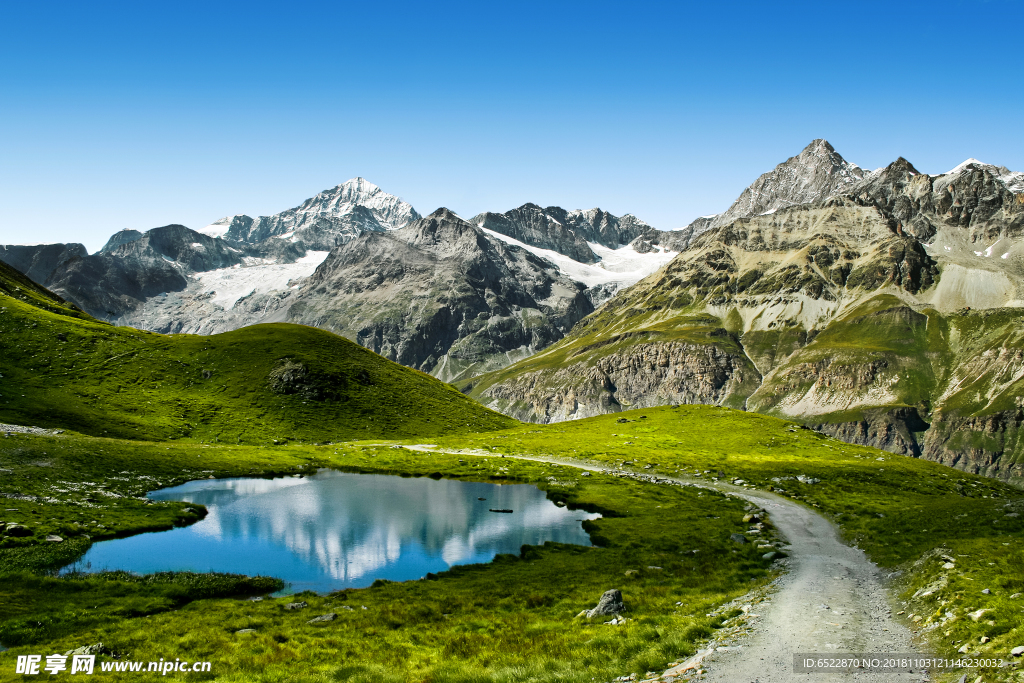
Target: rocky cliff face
x,y
856,313
640,376
39,261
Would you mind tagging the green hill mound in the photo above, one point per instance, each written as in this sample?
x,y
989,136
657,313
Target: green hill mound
x,y
62,368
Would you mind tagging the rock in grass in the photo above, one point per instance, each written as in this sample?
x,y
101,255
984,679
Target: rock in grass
x,y
296,605
610,603
738,538
771,555
53,538
322,618
246,630
94,649
1017,651
17,530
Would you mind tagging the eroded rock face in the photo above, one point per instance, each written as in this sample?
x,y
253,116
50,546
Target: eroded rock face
x,y
642,376
898,430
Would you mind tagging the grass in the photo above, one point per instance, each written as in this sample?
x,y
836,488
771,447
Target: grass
x,y
264,384
146,411
512,619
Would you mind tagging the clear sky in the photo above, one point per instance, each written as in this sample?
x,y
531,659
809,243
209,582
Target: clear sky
x,y
139,114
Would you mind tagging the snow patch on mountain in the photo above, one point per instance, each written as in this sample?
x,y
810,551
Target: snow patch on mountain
x,y
228,285
217,228
1013,180
622,267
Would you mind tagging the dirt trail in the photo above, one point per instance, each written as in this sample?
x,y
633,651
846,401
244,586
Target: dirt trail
x,y
832,600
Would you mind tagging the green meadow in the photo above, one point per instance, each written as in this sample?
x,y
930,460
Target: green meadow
x,y
143,411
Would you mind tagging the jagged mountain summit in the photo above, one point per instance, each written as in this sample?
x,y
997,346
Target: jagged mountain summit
x,y
322,222
888,312
815,174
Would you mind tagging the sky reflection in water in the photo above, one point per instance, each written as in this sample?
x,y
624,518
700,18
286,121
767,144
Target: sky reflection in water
x,y
339,530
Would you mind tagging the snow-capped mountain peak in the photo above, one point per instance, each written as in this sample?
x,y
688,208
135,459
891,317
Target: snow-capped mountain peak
x,y
329,218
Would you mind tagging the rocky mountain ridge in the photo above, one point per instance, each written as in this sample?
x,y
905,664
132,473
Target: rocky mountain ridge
x,y
296,266
864,313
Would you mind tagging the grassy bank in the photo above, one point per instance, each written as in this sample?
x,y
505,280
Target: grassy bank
x,y
907,514
513,619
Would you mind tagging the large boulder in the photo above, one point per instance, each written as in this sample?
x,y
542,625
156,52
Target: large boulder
x,y
610,603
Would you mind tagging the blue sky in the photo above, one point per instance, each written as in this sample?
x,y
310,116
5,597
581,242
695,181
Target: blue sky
x,y
130,115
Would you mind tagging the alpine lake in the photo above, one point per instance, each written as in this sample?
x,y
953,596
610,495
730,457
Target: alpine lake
x,y
334,530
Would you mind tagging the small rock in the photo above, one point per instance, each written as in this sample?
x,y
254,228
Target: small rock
x,y
738,482
964,649
610,603
95,649
1015,596
978,614
322,618
949,565
53,538
256,599
984,639
738,538
17,530
296,605
986,592
584,474
246,630
769,555
632,572
1017,651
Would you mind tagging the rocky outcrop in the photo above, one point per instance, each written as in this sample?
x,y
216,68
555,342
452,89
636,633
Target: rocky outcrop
x,y
609,604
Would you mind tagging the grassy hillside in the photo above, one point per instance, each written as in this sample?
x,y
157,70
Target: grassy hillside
x,y
262,384
513,619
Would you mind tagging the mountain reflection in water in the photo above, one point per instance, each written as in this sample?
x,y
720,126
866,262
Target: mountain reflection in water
x,y
336,530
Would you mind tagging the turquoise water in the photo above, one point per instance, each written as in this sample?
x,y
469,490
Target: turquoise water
x,y
337,530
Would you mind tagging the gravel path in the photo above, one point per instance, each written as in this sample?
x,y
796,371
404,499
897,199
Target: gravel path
x,y
832,600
